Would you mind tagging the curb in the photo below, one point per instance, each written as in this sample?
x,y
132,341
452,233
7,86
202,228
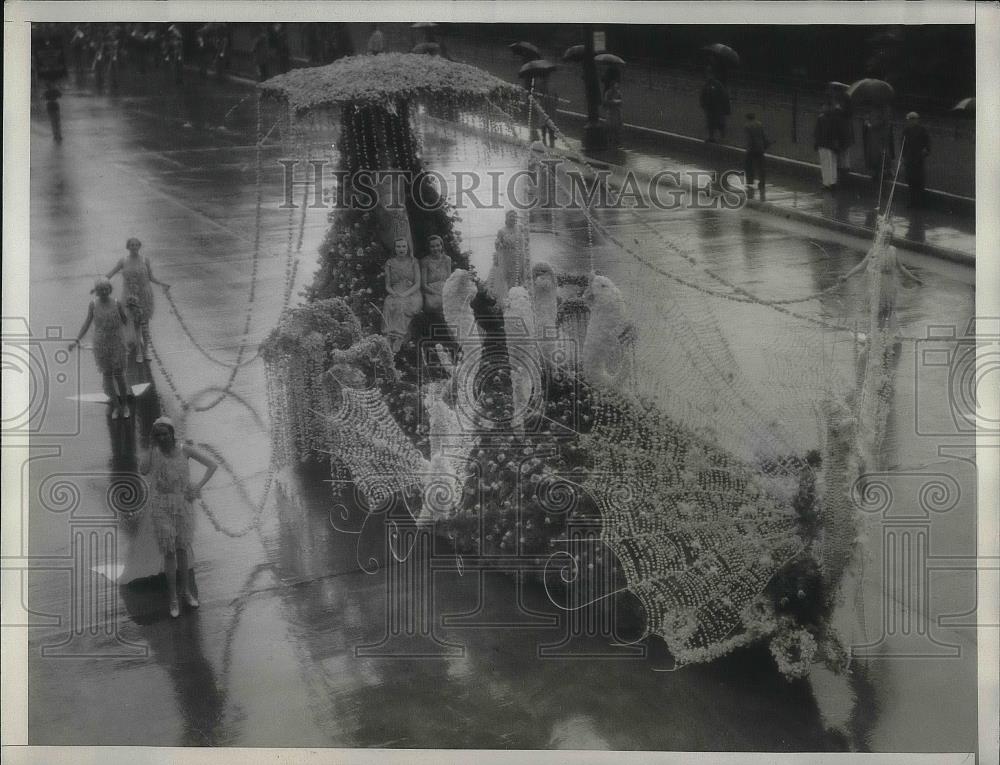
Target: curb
x,y
790,213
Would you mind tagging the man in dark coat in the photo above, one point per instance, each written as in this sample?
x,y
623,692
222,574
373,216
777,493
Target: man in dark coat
x,y
916,147
756,145
715,104
843,122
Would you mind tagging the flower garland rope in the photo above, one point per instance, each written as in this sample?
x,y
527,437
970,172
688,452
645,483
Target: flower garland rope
x,y
258,507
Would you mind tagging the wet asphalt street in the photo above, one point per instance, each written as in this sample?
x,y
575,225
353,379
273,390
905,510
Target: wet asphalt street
x,y
270,658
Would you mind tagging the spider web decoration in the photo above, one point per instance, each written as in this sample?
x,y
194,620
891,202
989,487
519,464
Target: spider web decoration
x,y
696,536
364,436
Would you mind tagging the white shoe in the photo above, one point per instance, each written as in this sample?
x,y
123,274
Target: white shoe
x,y
175,609
191,600
116,413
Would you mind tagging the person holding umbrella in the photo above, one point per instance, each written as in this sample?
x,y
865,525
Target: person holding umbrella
x,y
260,53
915,148
843,126
715,104
613,110
535,76
876,136
879,144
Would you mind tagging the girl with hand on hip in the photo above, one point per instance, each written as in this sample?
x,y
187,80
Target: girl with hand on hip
x,y
171,496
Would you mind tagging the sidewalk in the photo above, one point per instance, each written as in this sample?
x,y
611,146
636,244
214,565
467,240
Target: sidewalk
x,y
794,194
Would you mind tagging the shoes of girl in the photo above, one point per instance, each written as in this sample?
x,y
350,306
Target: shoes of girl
x,y
191,600
116,413
175,609
127,413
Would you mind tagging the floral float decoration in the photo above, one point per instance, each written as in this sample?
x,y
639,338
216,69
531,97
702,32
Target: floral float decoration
x,y
715,558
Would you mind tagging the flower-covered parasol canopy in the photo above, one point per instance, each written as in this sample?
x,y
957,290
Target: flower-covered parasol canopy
x,y
383,79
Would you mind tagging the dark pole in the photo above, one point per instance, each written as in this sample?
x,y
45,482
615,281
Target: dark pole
x,y
594,138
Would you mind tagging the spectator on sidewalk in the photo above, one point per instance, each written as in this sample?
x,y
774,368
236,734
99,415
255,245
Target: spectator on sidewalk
x,y
282,48
825,144
916,146
259,53
550,103
844,126
715,104
376,43
613,110
757,144
879,145
52,95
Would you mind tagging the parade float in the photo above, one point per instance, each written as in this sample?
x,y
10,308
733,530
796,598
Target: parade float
x,y
504,419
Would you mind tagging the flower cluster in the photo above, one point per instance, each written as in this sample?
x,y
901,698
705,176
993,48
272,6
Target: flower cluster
x,y
793,651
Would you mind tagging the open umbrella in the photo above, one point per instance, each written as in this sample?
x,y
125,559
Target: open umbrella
x,y
423,25
431,48
965,107
872,92
525,50
837,86
609,58
539,66
574,53
724,53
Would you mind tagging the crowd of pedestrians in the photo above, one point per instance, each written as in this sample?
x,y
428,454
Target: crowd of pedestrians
x,y
103,51
833,139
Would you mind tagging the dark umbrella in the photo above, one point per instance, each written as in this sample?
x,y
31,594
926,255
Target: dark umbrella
x,y
540,66
609,58
872,92
723,52
431,48
837,86
525,50
574,53
966,107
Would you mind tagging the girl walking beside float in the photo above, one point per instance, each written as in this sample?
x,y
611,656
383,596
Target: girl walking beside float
x,y
109,319
171,508
137,276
